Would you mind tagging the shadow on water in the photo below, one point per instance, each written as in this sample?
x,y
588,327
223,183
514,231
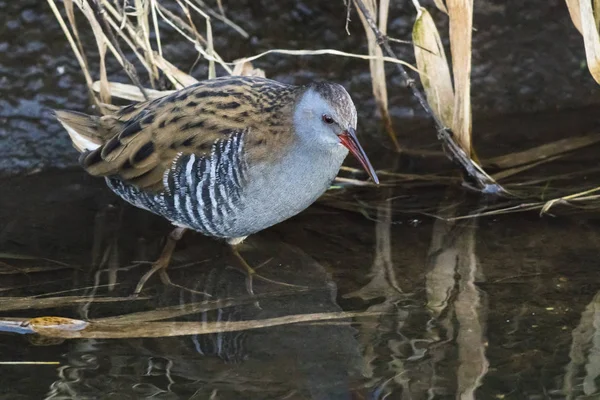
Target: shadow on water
x,y
490,308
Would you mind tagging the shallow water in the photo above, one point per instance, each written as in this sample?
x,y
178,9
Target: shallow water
x,y
496,308
400,304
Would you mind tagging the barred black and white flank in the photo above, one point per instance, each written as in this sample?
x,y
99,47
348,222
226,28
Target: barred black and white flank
x,y
201,192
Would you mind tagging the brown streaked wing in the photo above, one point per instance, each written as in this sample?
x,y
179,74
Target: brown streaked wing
x,y
146,137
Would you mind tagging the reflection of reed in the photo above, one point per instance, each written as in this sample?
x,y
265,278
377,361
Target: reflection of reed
x,y
383,284
585,354
454,299
105,250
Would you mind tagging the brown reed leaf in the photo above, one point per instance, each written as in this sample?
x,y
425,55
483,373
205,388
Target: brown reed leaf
x,y
433,67
586,17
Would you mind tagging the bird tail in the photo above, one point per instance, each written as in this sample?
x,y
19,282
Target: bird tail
x,y
85,130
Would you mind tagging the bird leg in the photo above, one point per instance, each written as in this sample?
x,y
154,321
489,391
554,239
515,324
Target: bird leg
x,y
249,271
162,263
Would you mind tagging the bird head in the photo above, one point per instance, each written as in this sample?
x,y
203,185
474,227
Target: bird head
x,y
326,116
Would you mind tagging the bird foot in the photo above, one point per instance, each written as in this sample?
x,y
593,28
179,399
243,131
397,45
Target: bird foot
x,y
162,263
159,265
251,274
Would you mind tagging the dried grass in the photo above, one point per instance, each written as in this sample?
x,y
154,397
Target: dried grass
x,y
135,25
451,103
36,303
376,64
586,17
433,67
68,328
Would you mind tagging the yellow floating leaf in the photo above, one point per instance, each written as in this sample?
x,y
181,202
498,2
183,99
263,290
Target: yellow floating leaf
x,y
56,323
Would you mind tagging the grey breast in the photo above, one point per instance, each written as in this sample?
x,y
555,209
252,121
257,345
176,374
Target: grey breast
x,y
276,191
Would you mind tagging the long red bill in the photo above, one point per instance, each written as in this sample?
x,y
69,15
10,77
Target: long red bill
x,y
350,141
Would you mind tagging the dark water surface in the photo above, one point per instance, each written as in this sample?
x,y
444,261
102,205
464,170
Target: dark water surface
x,y
500,308
504,307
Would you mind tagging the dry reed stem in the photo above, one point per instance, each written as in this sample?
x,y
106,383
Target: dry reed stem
x,y
127,33
377,65
185,309
507,173
178,77
68,328
181,24
565,199
102,43
78,55
479,179
245,68
570,176
210,49
332,52
33,303
131,92
578,200
107,17
141,8
547,150
452,106
461,26
8,269
71,16
156,28
241,66
101,15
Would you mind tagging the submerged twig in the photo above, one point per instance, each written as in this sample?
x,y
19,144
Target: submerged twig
x,y
29,362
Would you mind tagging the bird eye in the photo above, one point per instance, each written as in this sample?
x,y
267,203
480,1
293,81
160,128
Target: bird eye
x,y
327,119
